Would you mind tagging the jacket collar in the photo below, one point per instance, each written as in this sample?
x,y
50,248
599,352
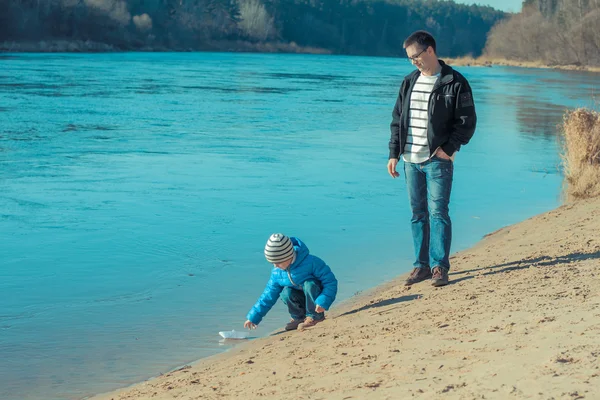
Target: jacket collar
x,y
447,75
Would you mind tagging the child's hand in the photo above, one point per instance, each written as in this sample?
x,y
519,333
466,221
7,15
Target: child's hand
x,y
318,308
249,325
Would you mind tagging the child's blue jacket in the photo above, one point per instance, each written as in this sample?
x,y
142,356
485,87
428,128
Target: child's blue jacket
x,y
305,267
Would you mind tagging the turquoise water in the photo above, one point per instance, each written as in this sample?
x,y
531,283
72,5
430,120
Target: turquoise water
x,y
137,192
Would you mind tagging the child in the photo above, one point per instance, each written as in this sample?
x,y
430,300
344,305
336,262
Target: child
x,y
306,284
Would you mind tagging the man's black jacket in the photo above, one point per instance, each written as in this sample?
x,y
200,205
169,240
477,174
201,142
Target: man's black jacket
x,y
452,117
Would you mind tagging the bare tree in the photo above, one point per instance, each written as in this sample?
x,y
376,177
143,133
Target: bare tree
x,y
143,22
114,9
559,32
255,21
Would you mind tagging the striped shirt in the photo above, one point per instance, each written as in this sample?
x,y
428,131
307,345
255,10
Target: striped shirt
x,y
416,149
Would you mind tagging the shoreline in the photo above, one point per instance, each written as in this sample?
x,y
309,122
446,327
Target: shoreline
x,y
91,47
518,320
343,306
485,61
85,47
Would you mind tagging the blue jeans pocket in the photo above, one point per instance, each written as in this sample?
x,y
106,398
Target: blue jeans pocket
x,y
440,159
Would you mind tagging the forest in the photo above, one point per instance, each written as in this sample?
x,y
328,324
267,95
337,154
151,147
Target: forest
x,y
356,27
554,32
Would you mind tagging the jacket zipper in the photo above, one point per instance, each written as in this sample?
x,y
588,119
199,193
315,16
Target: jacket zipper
x,y
430,112
291,280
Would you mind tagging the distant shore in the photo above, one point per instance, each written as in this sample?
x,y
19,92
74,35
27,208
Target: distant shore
x,y
484,61
87,46
520,319
81,46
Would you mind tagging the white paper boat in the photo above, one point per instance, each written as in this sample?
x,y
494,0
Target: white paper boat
x,y
233,334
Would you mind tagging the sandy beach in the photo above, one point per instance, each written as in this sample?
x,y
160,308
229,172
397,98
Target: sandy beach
x,y
520,319
485,61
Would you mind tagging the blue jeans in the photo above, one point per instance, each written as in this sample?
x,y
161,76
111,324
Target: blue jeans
x,y
301,303
429,185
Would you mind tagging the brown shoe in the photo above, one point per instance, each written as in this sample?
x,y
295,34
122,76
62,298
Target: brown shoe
x,y
440,277
293,324
418,275
309,322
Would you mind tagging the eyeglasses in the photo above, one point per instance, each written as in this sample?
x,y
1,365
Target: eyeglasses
x,y
416,57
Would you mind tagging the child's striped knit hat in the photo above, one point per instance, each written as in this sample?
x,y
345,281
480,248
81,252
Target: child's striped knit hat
x,y
279,248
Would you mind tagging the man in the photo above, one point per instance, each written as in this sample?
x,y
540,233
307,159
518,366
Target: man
x,y
433,117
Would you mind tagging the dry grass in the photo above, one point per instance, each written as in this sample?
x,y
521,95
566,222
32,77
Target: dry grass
x,y
487,61
581,157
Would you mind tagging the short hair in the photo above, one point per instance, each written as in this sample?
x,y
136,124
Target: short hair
x,y
422,38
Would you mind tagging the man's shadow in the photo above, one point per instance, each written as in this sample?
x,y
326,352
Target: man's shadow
x,y
526,263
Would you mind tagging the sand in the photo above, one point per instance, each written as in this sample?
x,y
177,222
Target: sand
x,y
485,61
520,320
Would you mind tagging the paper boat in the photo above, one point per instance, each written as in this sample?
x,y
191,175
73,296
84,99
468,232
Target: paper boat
x,y
233,334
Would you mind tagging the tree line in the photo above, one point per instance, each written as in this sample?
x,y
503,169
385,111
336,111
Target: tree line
x,y
362,27
556,32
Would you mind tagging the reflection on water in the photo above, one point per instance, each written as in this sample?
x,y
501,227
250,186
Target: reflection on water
x,y
538,118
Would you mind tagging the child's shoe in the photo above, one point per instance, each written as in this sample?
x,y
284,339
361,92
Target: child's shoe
x,y
293,324
308,322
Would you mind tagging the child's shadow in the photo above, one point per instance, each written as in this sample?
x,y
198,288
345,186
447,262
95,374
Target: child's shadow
x,y
382,303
